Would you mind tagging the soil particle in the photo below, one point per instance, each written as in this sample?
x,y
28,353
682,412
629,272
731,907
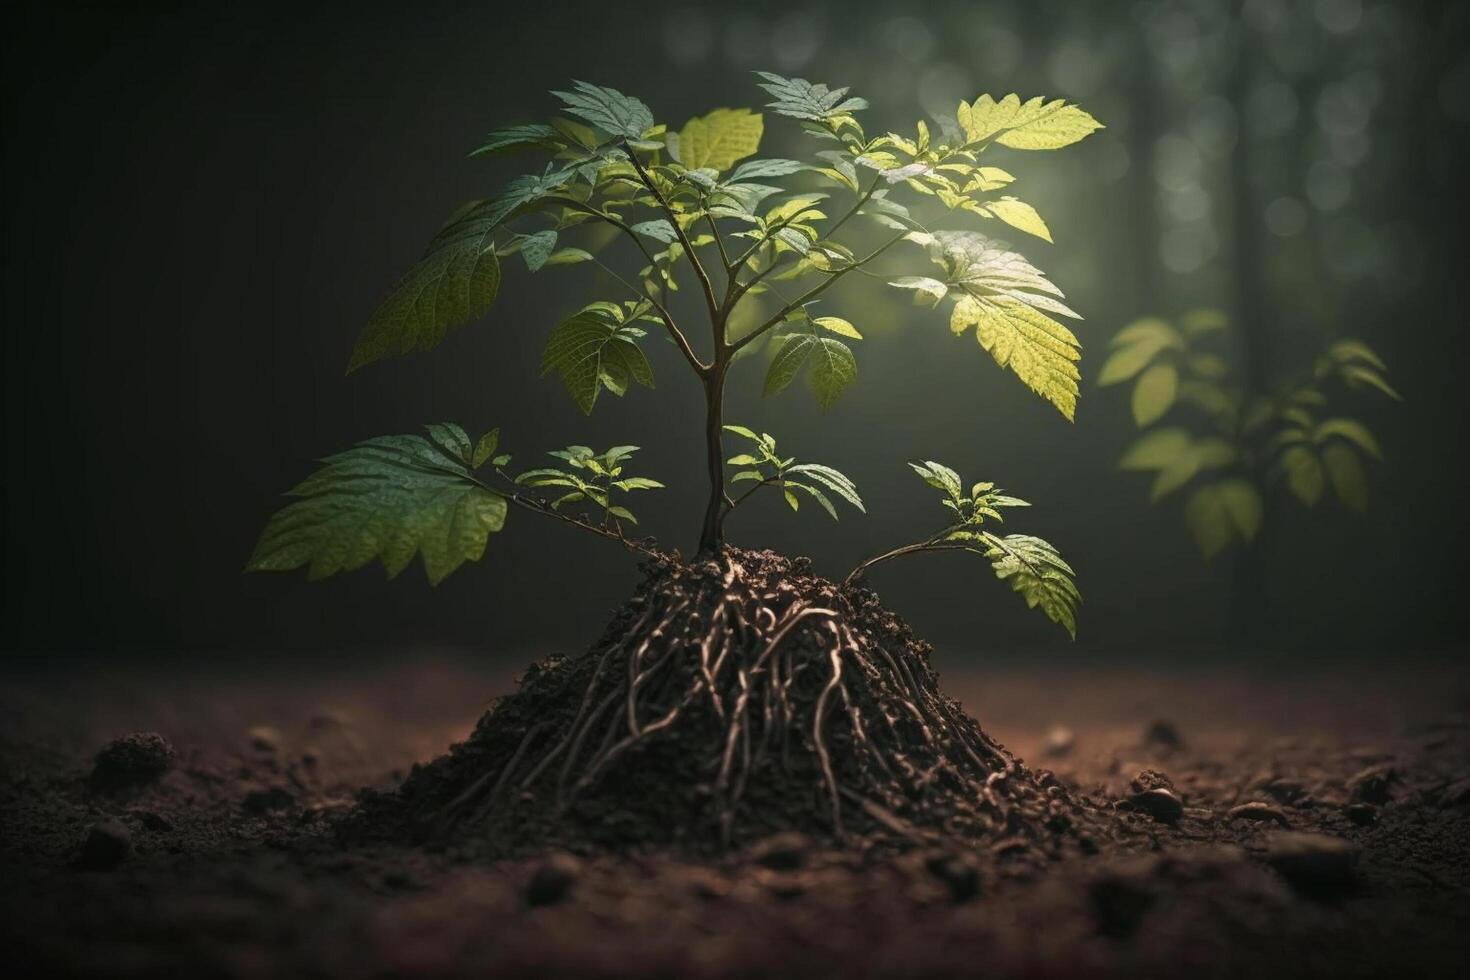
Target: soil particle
x,y
264,738
1161,804
1372,785
1362,814
1314,864
1148,779
131,761
1258,811
151,820
552,880
106,846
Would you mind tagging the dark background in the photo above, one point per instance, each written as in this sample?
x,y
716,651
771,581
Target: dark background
x,y
202,207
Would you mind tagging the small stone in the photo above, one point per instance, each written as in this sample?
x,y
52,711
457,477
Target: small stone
x,y
1257,810
106,845
959,875
781,852
1162,734
1059,742
264,799
264,738
1148,779
1314,864
1362,814
552,880
131,761
152,820
1372,785
1161,804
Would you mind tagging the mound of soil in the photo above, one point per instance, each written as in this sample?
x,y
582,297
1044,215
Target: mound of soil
x,y
728,701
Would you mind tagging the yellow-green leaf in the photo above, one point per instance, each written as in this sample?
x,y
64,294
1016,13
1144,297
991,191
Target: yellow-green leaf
x,y
1020,215
719,139
838,326
1208,519
1303,474
1154,393
1032,125
1041,351
1243,502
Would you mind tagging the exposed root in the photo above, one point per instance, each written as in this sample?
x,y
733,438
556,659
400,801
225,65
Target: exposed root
x,y
731,699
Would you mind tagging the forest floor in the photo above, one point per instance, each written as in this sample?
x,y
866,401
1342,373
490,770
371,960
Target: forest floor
x,y
1325,831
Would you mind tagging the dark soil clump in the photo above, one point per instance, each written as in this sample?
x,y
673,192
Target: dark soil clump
x,y
131,761
728,701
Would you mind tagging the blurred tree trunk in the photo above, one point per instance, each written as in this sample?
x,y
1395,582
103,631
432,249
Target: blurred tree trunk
x,y
1247,617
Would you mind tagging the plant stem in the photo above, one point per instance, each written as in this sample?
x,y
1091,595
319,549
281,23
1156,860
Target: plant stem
x,y
932,544
712,536
704,280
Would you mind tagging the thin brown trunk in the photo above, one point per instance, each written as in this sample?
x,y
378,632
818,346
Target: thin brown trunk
x,y
712,537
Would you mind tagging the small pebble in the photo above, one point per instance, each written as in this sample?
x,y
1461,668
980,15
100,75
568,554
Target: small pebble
x,y
1161,804
1148,779
152,820
1362,814
264,799
1257,811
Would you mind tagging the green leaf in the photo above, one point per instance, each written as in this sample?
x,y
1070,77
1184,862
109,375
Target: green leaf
x,y
1303,474
590,353
1036,570
755,169
451,438
534,136
1242,502
1019,215
1345,471
1154,394
816,495
457,279
536,249
1156,450
829,363
387,498
832,479
1356,374
717,140
741,430
608,109
1351,430
485,448
801,99
1208,520
1032,125
456,282
569,256
1125,362
658,229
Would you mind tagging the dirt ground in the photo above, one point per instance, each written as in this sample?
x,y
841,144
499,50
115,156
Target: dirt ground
x,y
1324,831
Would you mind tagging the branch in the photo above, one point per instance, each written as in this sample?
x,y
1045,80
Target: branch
x,y
816,291
675,333
704,281
909,549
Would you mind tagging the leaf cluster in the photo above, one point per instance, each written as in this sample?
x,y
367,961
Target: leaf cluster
x,y
1229,447
762,466
592,478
